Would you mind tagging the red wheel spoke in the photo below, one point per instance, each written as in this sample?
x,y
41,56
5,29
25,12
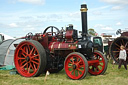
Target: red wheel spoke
x,y
117,45
97,69
74,72
23,51
81,66
24,65
24,55
118,48
80,70
35,62
78,59
115,51
123,42
69,62
79,62
32,50
29,69
22,62
69,66
36,59
100,65
71,71
72,60
32,67
27,49
35,56
126,44
19,58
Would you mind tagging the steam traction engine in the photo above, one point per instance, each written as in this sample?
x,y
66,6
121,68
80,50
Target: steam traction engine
x,y
54,51
115,46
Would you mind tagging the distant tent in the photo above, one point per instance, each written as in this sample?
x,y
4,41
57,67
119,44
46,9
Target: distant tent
x,y
7,51
6,37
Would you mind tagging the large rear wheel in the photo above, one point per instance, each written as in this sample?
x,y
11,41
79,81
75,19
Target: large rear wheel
x,y
30,58
76,66
115,47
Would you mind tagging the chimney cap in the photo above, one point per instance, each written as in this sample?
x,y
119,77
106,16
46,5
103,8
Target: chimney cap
x,y
83,6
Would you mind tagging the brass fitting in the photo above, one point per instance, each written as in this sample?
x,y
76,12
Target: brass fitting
x,y
83,9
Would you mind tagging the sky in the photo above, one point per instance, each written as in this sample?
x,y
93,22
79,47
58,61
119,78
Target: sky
x,y
18,17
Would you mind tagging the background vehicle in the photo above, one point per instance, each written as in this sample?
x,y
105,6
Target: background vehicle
x,y
1,38
115,46
98,44
4,37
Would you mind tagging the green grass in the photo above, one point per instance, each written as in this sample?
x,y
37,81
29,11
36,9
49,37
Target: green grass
x,y
112,76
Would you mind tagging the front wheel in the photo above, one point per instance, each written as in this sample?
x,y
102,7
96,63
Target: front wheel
x,y
101,66
76,66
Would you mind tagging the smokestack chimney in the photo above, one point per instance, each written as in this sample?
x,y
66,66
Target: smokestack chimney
x,y
84,20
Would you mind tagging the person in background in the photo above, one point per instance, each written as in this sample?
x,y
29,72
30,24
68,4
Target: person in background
x,y
122,57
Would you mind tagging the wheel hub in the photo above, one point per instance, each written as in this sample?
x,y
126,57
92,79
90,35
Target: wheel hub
x,y
74,66
27,59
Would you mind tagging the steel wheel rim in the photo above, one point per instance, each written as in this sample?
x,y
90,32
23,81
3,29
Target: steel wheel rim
x,y
75,66
27,59
97,68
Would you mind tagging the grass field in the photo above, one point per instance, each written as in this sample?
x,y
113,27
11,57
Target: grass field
x,y
112,76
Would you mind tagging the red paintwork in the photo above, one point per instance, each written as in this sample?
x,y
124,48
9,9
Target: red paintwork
x,y
92,62
52,44
124,34
68,35
61,45
42,39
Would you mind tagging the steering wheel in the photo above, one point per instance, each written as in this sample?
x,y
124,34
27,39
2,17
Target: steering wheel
x,y
118,31
51,33
29,36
